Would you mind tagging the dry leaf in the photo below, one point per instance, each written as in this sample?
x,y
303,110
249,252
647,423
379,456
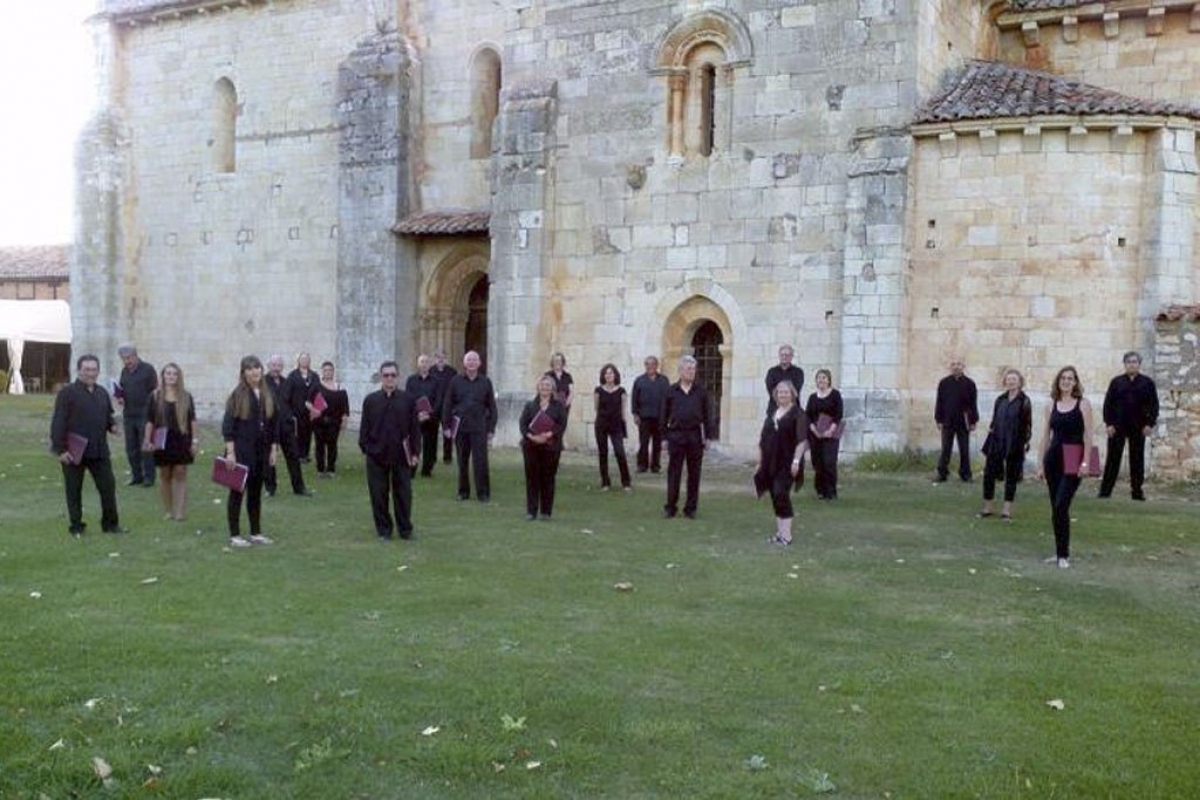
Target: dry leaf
x,y
272,679
532,764
623,586
793,575
59,745
856,708
971,570
497,766
1056,704
153,769
114,555
36,595
431,730
148,581
91,704
401,568
103,770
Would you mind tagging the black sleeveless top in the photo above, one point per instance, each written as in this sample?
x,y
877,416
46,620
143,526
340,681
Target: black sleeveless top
x,y
1066,427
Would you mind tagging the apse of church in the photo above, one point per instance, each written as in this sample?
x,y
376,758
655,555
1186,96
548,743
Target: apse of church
x,y
880,184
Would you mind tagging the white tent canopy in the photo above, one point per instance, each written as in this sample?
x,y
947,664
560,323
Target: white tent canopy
x,y
24,321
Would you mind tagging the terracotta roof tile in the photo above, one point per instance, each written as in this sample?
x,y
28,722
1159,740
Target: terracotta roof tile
x,y
443,223
42,261
991,90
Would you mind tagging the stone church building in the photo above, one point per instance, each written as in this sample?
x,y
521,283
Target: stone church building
x,y
882,183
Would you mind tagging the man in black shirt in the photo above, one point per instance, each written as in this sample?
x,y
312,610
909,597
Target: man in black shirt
x,y
301,383
137,382
956,412
1130,413
288,444
687,419
646,403
443,372
785,370
470,405
388,436
423,383
83,418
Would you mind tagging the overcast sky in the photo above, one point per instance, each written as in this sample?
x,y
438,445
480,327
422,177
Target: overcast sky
x,y
45,91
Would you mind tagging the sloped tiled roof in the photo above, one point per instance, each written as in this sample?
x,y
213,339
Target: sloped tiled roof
x,y
443,223
991,90
1045,5
40,262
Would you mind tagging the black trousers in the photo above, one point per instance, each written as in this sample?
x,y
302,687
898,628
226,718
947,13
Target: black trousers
x,y
390,482
963,437
431,431
473,451
141,463
649,454
824,461
1137,461
541,469
288,449
304,432
683,448
106,485
447,449
327,446
253,497
1006,469
1062,491
603,438
781,494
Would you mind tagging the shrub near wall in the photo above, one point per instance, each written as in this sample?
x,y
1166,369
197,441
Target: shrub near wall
x,y
1175,449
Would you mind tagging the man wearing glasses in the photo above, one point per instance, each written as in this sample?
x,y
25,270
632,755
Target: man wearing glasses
x,y
83,418
389,435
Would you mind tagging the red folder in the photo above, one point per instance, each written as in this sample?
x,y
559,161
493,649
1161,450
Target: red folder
x,y
160,438
76,445
234,479
450,431
1073,457
424,406
319,403
541,423
825,422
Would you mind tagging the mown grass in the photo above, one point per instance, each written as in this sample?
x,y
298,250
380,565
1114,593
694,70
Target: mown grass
x,y
901,648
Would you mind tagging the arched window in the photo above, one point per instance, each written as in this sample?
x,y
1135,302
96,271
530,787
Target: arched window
x,y
699,57
485,100
706,349
224,126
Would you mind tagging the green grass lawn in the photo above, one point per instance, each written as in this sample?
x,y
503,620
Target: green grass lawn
x,y
901,648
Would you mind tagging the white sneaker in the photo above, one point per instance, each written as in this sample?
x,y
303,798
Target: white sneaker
x,y
1064,563
238,541
258,538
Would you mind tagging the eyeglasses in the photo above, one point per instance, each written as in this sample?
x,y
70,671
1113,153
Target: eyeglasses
x,y
390,374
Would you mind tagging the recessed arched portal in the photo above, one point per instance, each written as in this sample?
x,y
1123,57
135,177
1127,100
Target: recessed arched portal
x,y
454,303
700,328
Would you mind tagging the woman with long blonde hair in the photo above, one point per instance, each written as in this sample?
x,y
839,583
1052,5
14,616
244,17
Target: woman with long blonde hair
x,y
251,433
171,435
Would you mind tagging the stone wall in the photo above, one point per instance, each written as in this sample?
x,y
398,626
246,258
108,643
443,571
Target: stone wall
x,y
1175,448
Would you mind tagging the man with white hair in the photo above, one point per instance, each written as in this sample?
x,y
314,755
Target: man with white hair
x,y
469,408
278,384
688,421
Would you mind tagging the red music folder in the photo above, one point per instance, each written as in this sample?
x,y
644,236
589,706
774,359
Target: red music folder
x,y
319,403
541,423
234,479
76,445
1073,457
825,422
424,406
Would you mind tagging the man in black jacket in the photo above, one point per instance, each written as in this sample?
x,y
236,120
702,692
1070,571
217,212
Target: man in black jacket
x,y
646,403
280,386
687,419
443,372
470,406
785,370
388,434
137,382
956,412
83,418
1130,413
424,384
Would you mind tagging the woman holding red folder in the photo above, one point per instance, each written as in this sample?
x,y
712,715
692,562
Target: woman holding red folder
x,y
328,414
171,435
1066,440
542,422
250,430
824,411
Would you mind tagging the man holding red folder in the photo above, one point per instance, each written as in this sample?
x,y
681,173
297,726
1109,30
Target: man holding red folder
x,y
425,389
83,418
387,436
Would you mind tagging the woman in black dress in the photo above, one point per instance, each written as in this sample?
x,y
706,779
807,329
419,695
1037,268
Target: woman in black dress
x,y
824,412
564,384
542,422
329,418
1007,442
610,425
1068,422
250,430
781,447
171,435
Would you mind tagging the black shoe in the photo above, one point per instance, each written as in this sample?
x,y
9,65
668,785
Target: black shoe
x,y
939,479
531,517
1139,497
77,532
427,474
690,514
303,493
484,498
656,470
134,483
668,514
545,517
968,479
269,492
407,535
462,496
383,537
117,529
1104,495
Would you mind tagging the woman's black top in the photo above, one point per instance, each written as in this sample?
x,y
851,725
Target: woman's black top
x,y
557,413
1011,428
779,439
337,406
253,436
610,411
562,385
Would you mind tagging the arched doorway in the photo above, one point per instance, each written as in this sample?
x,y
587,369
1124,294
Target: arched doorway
x,y
475,333
706,349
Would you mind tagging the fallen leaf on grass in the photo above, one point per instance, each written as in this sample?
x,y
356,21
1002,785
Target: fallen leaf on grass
x,y
1056,704
899,560
497,766
511,724
148,581
671,566
272,679
154,769
533,764
856,708
971,570
91,704
623,586
59,745
793,575
756,762
431,730
114,555
36,595
103,770
401,568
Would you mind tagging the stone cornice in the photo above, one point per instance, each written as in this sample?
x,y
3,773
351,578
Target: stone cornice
x,y
1073,122
131,13
1014,18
